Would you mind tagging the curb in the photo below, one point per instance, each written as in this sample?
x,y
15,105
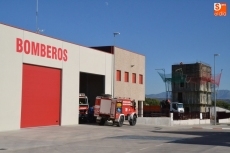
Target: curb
x,y
211,128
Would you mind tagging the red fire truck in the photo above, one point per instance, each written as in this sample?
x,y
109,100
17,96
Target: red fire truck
x,y
83,107
116,110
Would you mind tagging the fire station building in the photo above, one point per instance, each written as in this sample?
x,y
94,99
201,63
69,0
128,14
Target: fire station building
x,y
41,78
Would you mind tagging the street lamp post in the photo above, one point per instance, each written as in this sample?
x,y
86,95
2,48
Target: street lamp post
x,y
114,34
165,83
113,64
215,87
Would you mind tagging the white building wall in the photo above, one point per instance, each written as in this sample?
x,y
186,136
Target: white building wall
x,y
96,62
70,86
92,61
108,74
10,79
79,59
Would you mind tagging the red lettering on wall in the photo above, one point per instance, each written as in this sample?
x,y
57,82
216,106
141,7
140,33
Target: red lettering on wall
x,y
65,55
35,48
59,53
54,53
43,50
48,51
19,43
27,46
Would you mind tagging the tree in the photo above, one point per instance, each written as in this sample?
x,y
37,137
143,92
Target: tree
x,y
222,104
151,102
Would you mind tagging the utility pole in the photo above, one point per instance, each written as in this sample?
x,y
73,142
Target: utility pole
x,y
37,28
215,86
113,64
37,17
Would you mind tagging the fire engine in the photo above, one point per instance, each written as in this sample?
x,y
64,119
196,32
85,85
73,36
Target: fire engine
x,y
83,107
116,110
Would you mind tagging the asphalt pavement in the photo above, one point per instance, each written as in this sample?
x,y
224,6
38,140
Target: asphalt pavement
x,y
86,138
222,126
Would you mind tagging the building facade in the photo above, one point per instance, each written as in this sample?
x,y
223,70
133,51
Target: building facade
x,y
41,78
191,85
129,75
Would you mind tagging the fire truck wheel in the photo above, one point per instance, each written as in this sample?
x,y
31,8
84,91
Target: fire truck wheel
x,y
102,122
133,121
120,123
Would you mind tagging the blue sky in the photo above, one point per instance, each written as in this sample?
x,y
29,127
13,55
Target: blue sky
x,y
165,31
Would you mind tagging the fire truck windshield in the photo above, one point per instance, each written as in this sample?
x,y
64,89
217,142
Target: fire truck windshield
x,y
83,101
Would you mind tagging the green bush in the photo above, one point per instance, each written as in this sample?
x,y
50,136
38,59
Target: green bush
x,y
151,102
222,104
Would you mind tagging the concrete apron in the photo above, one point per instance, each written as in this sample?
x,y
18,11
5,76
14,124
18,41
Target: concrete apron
x,y
167,121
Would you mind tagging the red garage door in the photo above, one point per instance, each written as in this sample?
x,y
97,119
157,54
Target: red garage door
x,y
41,96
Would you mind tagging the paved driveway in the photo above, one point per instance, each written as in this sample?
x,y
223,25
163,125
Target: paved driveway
x,y
109,139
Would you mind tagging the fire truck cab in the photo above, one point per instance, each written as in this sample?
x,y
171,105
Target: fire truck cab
x,y
116,110
83,107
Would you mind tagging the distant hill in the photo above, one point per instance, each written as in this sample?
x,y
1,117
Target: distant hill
x,y
221,95
160,96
